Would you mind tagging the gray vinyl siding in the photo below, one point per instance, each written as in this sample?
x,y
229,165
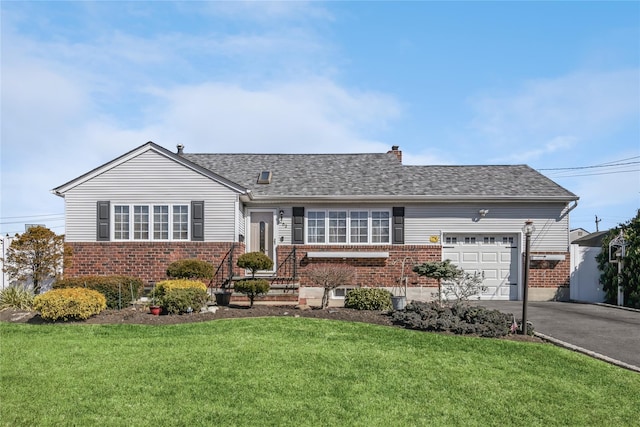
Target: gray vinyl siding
x,y
154,179
552,234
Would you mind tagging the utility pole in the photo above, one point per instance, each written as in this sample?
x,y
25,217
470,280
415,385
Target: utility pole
x,y
597,222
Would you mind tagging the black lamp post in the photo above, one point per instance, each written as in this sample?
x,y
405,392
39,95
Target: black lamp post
x,y
528,230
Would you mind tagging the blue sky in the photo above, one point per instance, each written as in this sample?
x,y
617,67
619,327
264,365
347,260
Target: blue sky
x,y
555,85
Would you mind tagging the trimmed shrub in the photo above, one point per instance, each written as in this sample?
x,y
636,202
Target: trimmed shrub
x,y
368,299
190,269
183,300
254,261
69,303
252,288
456,318
169,285
118,290
181,295
16,297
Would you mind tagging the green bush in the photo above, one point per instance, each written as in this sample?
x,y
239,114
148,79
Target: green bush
x,y
255,261
182,300
169,285
69,303
455,318
118,290
368,299
16,297
252,288
190,269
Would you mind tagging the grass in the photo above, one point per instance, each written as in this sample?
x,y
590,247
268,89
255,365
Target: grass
x,y
295,372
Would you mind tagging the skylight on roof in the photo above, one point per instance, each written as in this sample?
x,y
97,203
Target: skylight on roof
x,y
265,177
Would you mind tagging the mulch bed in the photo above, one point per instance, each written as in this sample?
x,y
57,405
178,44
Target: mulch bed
x,y
143,317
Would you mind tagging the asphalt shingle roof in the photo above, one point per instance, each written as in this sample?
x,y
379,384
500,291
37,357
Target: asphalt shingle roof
x,y
376,175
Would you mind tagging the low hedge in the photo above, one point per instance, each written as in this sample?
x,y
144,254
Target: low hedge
x,y
69,303
457,318
118,290
368,299
190,269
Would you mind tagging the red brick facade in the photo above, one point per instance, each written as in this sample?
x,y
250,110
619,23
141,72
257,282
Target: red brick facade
x,y
149,261
550,274
145,260
370,272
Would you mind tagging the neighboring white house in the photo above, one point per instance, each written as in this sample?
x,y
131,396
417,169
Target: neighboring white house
x,y
149,207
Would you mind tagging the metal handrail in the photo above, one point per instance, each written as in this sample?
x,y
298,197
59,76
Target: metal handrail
x,y
289,266
219,280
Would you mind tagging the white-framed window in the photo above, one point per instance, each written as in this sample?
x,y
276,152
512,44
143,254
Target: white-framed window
x,y
340,293
334,226
315,227
380,226
337,227
150,222
359,227
121,222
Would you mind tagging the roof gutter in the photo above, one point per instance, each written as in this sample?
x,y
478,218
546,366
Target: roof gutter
x,y
408,199
569,209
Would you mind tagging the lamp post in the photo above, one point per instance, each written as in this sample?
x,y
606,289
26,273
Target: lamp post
x,y
528,230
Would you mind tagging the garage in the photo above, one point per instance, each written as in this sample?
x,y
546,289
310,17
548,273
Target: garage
x,y
495,255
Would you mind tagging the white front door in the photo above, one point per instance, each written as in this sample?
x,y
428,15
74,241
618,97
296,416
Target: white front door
x,y
261,237
495,255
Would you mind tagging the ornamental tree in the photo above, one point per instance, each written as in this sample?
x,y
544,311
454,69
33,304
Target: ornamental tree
x,y
330,276
36,256
438,270
255,261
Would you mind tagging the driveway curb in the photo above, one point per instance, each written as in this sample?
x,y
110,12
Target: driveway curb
x,y
587,352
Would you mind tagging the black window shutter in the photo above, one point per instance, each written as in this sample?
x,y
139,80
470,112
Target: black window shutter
x,y
398,226
102,221
197,220
297,229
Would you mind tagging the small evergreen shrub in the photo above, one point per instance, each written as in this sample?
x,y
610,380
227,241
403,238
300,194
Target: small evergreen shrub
x,y
169,285
16,297
181,295
69,303
118,290
254,261
368,299
455,318
252,288
190,269
183,300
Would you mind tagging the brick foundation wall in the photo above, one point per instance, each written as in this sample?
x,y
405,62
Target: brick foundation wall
x,y
370,272
550,274
145,260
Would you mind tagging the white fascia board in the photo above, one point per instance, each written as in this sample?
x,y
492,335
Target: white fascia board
x,y
405,199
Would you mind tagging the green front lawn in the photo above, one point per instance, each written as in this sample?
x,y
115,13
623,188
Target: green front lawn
x,y
295,372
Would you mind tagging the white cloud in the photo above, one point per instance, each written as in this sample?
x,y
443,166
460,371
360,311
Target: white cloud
x,y
553,115
315,115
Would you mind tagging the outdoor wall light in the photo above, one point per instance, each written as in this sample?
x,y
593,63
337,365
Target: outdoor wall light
x,y
281,215
483,212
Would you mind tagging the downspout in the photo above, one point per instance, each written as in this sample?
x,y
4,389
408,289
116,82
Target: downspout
x,y
575,205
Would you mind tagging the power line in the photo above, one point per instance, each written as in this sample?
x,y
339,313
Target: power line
x,y
31,216
591,167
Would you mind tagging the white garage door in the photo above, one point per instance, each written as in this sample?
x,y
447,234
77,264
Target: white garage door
x,y
495,255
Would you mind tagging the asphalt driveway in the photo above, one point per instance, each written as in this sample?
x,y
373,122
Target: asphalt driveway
x,y
608,331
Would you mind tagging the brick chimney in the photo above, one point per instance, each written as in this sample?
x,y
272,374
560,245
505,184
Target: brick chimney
x,y
395,149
